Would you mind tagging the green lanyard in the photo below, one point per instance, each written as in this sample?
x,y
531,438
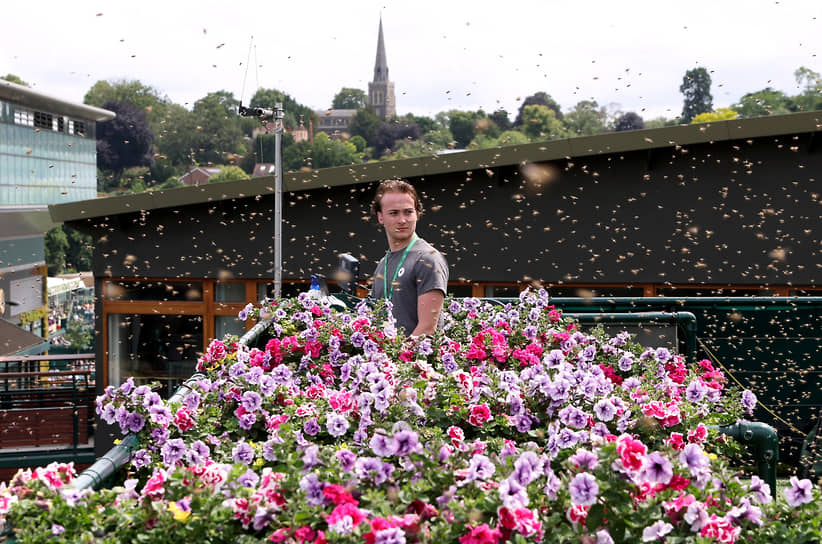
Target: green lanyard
x,y
389,292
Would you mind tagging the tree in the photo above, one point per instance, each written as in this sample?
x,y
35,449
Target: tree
x,y
501,119
721,114
126,140
175,140
80,335
79,254
765,102
541,99
349,99
294,112
130,91
228,173
218,128
463,125
14,79
326,152
365,123
540,123
56,244
810,83
586,119
629,121
390,132
696,87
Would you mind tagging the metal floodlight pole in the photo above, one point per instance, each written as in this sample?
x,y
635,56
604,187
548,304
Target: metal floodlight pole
x,y
278,199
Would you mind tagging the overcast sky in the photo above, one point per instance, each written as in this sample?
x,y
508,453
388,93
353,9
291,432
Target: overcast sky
x,y
628,56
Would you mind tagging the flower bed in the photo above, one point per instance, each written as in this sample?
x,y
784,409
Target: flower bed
x,y
509,425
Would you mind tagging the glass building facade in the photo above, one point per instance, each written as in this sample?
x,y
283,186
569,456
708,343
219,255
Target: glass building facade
x,y
45,157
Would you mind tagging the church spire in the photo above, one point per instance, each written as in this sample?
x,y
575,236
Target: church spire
x,y
381,64
381,90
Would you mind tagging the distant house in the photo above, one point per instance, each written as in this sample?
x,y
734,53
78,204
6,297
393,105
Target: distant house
x,y
335,123
198,175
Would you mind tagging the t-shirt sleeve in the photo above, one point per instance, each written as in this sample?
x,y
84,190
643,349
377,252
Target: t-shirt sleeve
x,y
432,273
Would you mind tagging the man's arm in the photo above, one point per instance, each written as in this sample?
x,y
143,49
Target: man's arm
x,y
429,307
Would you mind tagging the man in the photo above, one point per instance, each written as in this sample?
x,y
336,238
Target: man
x,y
412,275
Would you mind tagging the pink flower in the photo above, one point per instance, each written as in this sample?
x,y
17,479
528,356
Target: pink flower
x,y
631,452
676,441
457,435
479,414
183,420
481,535
698,435
154,486
720,529
341,511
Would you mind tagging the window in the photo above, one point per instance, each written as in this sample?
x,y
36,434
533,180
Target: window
x,y
23,117
42,120
154,347
154,290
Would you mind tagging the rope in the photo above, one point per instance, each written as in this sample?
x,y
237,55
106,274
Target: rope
x,y
760,403
248,59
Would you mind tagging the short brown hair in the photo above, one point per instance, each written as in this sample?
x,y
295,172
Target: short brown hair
x,y
395,186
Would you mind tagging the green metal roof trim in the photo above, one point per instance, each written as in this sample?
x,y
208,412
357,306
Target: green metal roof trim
x,y
612,142
28,97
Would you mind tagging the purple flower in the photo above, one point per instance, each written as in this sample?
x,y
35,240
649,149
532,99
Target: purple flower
x,y
243,315
197,453
584,489
281,374
140,458
604,410
626,362
159,435
554,358
512,494
251,401
267,385
311,457
248,479
552,484
135,422
57,529
527,468
657,468
745,511
406,442
347,458
479,468
392,535
695,391
573,417
243,453
523,423
760,490
268,450
449,363
693,457
584,459
173,451
662,355
588,354
160,414
311,427
313,489
748,401
657,531
192,400
337,424
799,493
382,445
247,421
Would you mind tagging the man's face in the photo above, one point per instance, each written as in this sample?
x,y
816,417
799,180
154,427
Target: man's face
x,y
399,217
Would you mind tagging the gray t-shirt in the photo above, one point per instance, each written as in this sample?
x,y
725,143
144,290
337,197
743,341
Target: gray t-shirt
x,y
424,270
